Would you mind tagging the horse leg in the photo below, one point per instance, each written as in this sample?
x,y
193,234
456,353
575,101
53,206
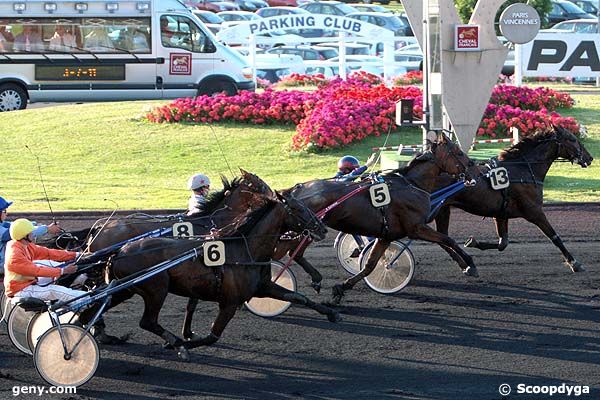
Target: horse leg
x,y
190,308
275,291
540,220
315,275
226,312
442,220
464,260
501,230
153,302
378,250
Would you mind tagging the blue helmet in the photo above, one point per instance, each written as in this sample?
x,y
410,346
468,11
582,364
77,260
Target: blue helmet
x,y
348,164
4,204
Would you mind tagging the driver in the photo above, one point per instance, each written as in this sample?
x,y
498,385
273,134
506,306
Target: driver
x,y
199,184
21,278
349,168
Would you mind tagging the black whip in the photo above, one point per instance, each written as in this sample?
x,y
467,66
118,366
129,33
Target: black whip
x,y
221,149
43,185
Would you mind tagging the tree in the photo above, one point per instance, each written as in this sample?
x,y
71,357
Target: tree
x,y
465,8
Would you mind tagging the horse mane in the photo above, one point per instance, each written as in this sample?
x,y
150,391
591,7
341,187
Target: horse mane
x,y
525,145
244,223
213,199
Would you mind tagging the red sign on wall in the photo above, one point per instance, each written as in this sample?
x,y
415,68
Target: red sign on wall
x,y
466,37
180,64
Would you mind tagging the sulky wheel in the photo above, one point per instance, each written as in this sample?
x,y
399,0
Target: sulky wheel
x,y
41,323
18,322
75,369
4,306
269,307
348,248
394,270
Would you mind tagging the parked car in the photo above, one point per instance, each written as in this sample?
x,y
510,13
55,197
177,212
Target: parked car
x,y
279,10
329,7
564,10
370,64
211,5
388,21
589,6
232,18
411,60
352,48
306,52
210,19
364,7
575,26
287,3
273,67
251,5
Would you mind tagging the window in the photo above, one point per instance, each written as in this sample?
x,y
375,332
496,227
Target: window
x,y
75,35
180,32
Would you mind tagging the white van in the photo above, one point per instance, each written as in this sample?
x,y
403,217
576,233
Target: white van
x,y
96,50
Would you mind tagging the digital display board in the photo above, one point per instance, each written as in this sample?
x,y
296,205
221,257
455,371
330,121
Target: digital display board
x,y
80,73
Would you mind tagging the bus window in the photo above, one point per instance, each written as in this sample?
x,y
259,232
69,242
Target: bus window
x,y
76,35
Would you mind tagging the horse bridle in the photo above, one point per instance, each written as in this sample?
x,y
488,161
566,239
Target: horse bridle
x,y
306,226
449,153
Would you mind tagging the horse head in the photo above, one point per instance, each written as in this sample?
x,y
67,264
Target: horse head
x,y
450,158
300,218
570,148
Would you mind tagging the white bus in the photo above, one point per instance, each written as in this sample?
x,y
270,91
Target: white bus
x,y
98,50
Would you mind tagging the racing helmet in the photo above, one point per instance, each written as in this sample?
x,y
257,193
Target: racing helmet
x,y
347,164
4,204
20,228
198,181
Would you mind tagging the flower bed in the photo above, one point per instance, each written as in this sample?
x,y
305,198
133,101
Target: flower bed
x,y
342,112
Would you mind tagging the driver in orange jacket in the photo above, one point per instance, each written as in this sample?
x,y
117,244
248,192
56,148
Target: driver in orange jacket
x,y
21,274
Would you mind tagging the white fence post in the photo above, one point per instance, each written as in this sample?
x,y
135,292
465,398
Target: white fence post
x,y
342,55
388,60
252,57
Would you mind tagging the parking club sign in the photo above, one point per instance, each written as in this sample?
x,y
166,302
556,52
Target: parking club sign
x,y
466,37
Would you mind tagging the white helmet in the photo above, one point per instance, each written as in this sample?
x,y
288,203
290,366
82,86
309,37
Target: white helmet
x,y
197,181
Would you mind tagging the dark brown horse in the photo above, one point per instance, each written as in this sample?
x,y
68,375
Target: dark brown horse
x,y
527,164
249,246
406,215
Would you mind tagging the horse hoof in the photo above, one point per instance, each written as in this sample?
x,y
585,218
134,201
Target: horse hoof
x,y
576,266
316,286
168,346
470,242
334,316
193,337
471,271
183,354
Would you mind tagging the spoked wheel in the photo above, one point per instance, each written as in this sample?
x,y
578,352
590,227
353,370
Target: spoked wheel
x,y
41,323
18,323
73,370
348,248
394,270
268,307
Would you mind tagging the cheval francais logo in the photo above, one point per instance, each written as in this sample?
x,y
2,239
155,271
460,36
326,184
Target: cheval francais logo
x,y
466,37
181,64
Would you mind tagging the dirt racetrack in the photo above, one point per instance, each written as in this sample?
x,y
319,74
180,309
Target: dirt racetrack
x,y
526,320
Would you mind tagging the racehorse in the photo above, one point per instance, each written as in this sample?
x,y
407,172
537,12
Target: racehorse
x,y
249,246
527,163
406,215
